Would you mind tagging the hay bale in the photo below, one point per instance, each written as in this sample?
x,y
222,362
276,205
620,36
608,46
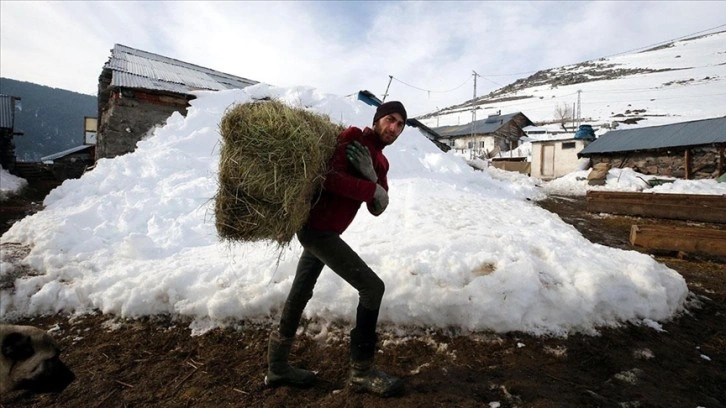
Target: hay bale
x,y
273,161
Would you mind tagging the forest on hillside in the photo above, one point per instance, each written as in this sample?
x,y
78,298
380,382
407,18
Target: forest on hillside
x,y
50,119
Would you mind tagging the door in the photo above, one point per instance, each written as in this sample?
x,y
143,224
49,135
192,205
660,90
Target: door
x,y
548,161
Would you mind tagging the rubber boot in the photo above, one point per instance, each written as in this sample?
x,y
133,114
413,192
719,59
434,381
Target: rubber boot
x,y
364,377
279,372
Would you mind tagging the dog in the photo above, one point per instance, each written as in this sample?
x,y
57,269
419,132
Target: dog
x,y
30,360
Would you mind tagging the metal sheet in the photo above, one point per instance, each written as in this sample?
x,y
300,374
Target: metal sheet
x,y
138,69
694,133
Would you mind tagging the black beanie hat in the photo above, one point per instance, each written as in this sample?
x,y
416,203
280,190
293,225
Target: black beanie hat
x,y
389,108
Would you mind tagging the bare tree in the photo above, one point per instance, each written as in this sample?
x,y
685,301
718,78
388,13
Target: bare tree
x,y
563,114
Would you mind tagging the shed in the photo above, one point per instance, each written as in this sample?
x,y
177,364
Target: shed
x,y
8,105
687,150
483,137
138,90
554,158
70,163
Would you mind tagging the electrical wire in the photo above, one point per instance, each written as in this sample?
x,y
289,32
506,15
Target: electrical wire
x,y
428,90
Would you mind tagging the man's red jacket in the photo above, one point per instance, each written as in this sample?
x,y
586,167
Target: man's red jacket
x,y
344,189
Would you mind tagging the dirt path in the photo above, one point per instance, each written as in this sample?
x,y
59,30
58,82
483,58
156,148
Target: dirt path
x,y
157,363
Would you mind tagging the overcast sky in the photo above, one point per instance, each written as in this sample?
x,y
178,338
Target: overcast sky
x,y
430,48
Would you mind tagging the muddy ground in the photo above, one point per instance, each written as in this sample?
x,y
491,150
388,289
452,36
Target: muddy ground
x,y
158,363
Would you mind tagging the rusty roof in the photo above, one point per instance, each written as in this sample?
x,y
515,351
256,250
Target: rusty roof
x,y
132,68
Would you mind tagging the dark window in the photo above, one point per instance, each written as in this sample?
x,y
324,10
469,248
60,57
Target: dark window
x,y
568,145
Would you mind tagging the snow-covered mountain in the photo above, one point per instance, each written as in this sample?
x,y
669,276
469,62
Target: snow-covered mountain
x,y
675,82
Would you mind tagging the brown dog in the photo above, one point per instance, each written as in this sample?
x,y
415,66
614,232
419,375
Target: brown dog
x,y
29,360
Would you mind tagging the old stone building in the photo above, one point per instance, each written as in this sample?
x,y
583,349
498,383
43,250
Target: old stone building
x,y
138,90
687,150
485,137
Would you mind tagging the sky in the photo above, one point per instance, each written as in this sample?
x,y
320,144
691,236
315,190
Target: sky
x,y
458,248
430,49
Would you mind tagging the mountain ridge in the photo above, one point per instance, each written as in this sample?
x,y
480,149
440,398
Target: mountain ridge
x,y
659,70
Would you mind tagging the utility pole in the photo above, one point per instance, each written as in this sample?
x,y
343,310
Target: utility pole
x,y
579,112
385,94
473,115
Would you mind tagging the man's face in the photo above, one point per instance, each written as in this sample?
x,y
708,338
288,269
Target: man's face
x,y
389,127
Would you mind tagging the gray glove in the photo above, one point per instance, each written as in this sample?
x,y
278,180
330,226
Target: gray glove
x,y
359,156
380,200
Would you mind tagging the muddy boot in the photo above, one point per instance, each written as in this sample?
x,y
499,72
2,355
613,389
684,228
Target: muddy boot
x,y
364,377
279,372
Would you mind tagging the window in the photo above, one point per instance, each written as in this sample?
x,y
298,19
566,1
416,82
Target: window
x,y
568,145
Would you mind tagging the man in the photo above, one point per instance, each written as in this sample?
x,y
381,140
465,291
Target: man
x,y
358,174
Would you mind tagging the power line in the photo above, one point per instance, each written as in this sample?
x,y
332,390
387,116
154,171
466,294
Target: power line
x,y
428,90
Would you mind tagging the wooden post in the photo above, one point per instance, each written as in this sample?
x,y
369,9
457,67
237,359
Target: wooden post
x,y
691,240
721,157
692,207
687,159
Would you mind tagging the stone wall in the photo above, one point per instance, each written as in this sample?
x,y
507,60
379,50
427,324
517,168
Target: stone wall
x,y
127,117
705,162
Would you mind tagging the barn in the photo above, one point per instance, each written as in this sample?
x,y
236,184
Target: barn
x,y
686,150
485,137
138,90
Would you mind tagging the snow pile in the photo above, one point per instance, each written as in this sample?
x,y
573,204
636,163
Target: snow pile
x,y
457,247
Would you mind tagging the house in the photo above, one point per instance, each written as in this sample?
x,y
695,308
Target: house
x,y
138,90
687,150
552,158
8,104
369,98
487,136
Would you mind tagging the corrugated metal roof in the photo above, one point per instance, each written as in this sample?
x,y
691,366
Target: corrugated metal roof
x,y
695,133
138,69
483,126
58,155
7,111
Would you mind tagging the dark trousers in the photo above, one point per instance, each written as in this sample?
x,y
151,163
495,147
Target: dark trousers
x,y
322,248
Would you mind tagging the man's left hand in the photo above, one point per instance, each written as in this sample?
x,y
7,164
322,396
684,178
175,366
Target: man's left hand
x,y
359,156
380,200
